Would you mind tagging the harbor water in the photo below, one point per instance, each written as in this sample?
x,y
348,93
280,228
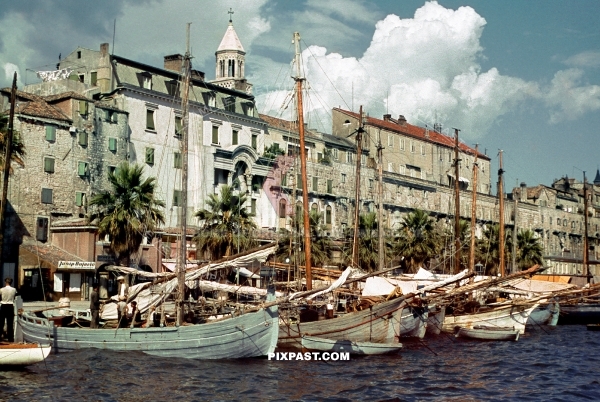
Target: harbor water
x,y
546,364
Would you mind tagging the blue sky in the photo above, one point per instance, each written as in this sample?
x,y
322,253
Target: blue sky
x,y
521,76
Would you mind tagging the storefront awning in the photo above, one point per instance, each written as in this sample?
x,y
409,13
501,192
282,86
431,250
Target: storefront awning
x,y
34,254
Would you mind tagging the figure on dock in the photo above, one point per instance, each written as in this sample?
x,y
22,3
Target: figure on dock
x,y
7,310
95,307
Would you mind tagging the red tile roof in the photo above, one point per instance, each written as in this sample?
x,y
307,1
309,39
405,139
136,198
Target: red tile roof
x,y
66,95
35,106
415,132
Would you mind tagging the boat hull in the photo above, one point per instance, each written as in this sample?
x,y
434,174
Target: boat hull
x,y
435,320
248,335
380,323
502,316
413,322
579,314
22,354
489,333
343,346
545,315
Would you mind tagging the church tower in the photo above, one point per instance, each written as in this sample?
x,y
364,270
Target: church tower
x,y
231,62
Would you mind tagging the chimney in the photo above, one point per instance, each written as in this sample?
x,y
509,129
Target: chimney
x,y
401,120
103,49
387,117
523,192
174,62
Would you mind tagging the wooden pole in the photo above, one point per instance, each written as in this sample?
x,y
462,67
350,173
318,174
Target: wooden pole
x,y
380,209
181,260
456,205
501,223
513,265
357,188
586,266
6,171
307,247
473,213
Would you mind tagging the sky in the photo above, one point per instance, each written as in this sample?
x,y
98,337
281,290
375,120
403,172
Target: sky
x,y
518,76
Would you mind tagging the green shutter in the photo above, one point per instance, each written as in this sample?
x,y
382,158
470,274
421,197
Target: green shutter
x,y
93,78
177,161
315,183
254,144
51,133
176,198
82,169
283,179
49,165
178,127
79,199
83,108
83,138
150,119
234,137
112,144
215,134
329,186
150,156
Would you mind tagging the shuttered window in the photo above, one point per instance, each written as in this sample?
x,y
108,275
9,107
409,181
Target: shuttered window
x,y
83,138
82,168
178,127
150,156
79,199
234,137
46,196
51,133
150,119
215,134
177,161
83,108
112,144
49,165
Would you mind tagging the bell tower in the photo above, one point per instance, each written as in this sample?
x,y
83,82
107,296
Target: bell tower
x,y
231,61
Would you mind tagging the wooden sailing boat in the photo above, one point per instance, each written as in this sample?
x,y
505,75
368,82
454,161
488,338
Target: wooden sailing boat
x,y
247,335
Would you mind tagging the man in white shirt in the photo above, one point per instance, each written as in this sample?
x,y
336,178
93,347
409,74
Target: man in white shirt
x,y
7,309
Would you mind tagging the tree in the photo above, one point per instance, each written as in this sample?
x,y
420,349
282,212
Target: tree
x,y
418,239
273,151
128,211
529,249
320,243
368,244
488,248
18,149
226,225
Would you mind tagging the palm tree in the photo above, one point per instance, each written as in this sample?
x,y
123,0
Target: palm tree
x,y
128,211
488,248
418,239
18,149
227,225
368,243
320,243
529,249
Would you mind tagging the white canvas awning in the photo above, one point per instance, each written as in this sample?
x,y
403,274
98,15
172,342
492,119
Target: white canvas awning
x,y
460,178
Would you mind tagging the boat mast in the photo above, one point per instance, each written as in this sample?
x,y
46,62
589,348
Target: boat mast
x,y
7,157
586,266
473,212
357,189
514,233
181,258
456,205
380,209
501,223
299,78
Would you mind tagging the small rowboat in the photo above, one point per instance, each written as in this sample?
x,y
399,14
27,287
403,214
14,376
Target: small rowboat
x,y
487,333
22,354
354,348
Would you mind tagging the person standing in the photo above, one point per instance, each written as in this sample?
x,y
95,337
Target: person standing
x,y
95,307
7,309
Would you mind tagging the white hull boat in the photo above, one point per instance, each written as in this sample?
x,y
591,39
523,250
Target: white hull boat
x,y
22,354
354,348
486,333
507,316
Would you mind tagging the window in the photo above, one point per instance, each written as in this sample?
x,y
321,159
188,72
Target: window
x,y
41,233
111,169
343,177
83,138
178,127
391,167
412,147
82,169
349,157
253,206
83,108
254,142
390,140
283,179
112,144
329,186
299,181
110,116
370,184
363,159
336,156
177,160
147,81
402,169
150,119
319,156
50,133
423,151
215,135
328,215
93,78
46,196
230,104
176,198
282,208
79,199
172,87
48,165
234,137
402,144
150,156
211,99
315,183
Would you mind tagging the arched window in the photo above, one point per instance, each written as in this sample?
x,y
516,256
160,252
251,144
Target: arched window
x,y
328,215
231,68
314,207
282,208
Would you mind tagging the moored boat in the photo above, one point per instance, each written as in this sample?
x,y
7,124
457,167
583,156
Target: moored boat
x,y
510,315
22,354
352,347
488,333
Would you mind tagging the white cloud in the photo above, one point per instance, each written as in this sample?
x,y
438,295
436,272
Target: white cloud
x,y
9,72
584,59
569,99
